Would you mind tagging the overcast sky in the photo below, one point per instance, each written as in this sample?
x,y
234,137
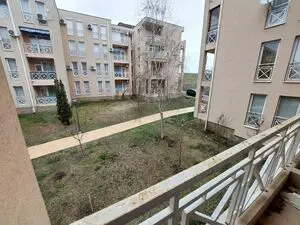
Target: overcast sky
x,y
187,13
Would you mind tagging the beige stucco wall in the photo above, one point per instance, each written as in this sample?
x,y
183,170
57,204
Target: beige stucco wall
x,y
242,30
20,197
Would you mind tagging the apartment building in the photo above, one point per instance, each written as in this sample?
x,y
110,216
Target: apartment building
x,y
31,51
254,82
97,54
158,58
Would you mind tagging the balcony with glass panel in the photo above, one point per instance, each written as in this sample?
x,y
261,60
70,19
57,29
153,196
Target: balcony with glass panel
x,y
42,72
120,56
121,73
45,95
120,39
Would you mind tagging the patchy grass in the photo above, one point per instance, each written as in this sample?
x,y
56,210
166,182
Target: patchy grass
x,y
44,126
190,81
118,166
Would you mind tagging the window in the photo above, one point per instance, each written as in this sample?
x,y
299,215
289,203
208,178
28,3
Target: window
x,y
277,13
119,55
105,52
41,9
97,52
86,85
75,68
70,29
12,68
72,48
294,67
20,96
267,60
106,71
213,25
107,86
287,108
77,88
4,13
79,27
26,12
84,69
81,47
95,31
5,39
100,90
254,116
103,32
98,69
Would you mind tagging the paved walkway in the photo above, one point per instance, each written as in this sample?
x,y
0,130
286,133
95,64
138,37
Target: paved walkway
x,y
69,142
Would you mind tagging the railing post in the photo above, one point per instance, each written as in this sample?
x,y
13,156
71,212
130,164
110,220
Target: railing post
x,y
173,205
295,146
245,183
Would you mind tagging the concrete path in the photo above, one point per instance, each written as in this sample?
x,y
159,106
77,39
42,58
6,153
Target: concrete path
x,y
69,142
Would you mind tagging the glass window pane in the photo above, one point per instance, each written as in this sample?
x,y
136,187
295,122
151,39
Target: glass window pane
x,y
25,5
41,8
79,27
269,51
258,102
70,30
297,51
288,107
214,18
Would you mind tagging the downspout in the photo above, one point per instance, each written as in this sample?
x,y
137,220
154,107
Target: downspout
x,y
213,71
22,59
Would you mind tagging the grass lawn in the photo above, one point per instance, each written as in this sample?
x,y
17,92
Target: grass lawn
x,y
190,81
44,126
118,166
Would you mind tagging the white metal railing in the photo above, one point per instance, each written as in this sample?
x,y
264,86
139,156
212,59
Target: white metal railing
x,y
294,71
264,71
6,44
277,15
37,48
20,100
212,36
27,16
255,164
45,100
254,119
278,120
122,40
14,74
121,74
43,75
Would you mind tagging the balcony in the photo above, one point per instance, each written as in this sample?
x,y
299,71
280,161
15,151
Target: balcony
x,y
121,41
46,100
294,72
121,75
41,78
277,15
239,182
158,56
38,50
264,72
120,59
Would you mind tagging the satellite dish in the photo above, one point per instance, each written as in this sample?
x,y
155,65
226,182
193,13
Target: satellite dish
x,y
264,2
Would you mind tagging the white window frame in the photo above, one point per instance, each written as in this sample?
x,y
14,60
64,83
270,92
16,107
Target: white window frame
x,y
14,74
96,53
259,124
26,13
70,50
95,35
79,30
77,88
84,71
75,71
87,90
100,92
107,88
99,70
294,66
70,30
44,13
278,119
82,44
281,10
103,32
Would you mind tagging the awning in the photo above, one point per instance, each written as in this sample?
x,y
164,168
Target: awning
x,y
34,31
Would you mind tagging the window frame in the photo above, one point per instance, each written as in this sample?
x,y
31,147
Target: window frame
x,y
249,107
296,46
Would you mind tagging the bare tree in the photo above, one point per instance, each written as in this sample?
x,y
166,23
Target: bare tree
x,y
158,44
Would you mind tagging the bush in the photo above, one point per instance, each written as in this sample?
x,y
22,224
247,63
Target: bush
x,y
64,111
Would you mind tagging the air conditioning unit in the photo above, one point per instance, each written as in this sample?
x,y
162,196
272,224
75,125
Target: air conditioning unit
x,y
43,21
92,68
13,34
110,49
68,67
62,22
90,27
40,16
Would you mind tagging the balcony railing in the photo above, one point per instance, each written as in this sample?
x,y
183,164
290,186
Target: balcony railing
x,y
158,54
120,58
27,17
254,120
6,44
46,100
294,71
264,71
20,100
14,74
255,164
121,74
277,15
37,48
122,40
43,75
212,36
278,120
207,75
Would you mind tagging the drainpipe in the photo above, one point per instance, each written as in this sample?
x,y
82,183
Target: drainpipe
x,y
213,71
22,59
